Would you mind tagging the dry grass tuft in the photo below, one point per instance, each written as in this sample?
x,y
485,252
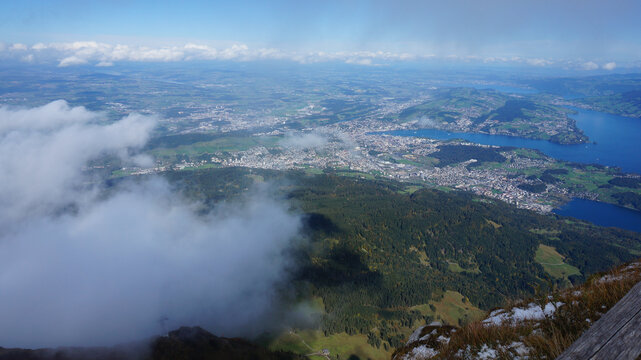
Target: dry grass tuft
x,y
545,338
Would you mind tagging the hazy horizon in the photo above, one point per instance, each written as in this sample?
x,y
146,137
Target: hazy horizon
x,y
583,35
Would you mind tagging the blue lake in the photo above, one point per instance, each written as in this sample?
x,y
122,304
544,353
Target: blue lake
x,y
602,214
616,140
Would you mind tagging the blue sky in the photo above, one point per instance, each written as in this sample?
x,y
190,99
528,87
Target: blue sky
x,y
582,30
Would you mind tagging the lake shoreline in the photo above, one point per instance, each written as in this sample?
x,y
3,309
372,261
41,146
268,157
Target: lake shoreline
x,y
609,145
613,138
602,214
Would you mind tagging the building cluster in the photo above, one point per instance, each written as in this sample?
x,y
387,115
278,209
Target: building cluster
x,y
365,145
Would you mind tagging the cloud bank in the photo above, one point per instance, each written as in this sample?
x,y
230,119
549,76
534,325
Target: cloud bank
x,y
103,54
610,66
81,268
43,150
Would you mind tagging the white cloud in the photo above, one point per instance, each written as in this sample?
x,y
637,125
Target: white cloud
x,y
359,61
538,62
304,141
72,60
191,46
80,266
105,54
111,273
53,142
426,122
18,47
610,66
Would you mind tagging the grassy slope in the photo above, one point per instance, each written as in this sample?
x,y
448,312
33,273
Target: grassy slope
x,y
553,263
543,339
449,309
312,341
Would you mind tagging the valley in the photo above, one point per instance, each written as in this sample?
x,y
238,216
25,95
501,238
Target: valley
x,y
408,216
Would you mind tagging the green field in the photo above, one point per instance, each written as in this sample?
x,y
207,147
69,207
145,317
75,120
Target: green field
x,y
229,144
313,341
410,189
356,174
313,171
455,267
310,341
532,154
451,309
553,264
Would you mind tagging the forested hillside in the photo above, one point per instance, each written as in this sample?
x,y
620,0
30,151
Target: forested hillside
x,y
376,253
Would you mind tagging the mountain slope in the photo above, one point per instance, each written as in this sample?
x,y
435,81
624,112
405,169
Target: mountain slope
x,y
379,260
534,329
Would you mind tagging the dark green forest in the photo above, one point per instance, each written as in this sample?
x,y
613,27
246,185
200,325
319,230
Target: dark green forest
x,y
453,154
513,109
374,251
